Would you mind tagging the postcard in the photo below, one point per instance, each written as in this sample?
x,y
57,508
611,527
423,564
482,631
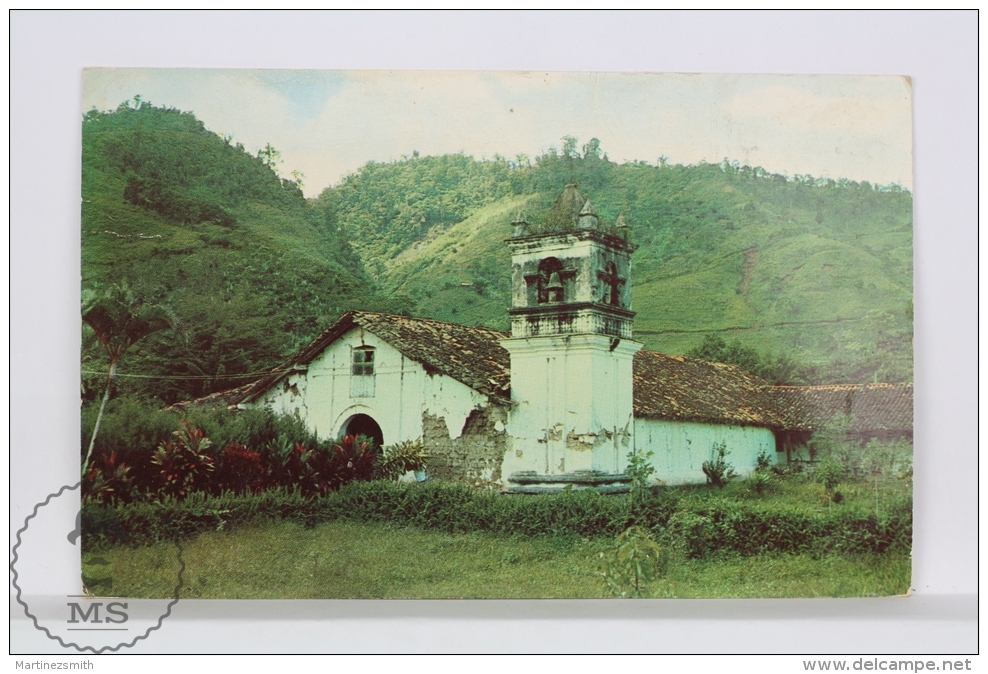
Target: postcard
x,y
368,334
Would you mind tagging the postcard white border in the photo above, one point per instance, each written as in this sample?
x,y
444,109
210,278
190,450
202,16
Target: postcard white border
x,y
938,50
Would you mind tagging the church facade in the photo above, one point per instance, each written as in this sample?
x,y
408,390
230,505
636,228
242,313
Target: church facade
x,y
560,401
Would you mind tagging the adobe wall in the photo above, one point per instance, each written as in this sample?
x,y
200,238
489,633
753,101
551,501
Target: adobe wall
x,y
475,456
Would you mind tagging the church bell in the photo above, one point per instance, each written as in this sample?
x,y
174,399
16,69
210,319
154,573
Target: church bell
x,y
555,288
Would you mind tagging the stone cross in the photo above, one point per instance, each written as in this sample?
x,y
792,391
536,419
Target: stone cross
x,y
612,294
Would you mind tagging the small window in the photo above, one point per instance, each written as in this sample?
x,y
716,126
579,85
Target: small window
x,y
363,362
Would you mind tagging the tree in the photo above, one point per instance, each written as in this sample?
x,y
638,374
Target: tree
x,y
592,149
119,318
270,156
569,145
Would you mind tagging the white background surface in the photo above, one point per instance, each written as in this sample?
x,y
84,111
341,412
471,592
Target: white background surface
x,y
938,50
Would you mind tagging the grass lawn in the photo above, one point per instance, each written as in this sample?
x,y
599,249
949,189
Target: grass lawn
x,y
342,559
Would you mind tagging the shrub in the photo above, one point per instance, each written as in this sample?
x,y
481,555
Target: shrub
x,y
830,473
717,469
183,462
639,469
398,459
238,470
634,560
760,481
720,525
108,481
698,524
763,461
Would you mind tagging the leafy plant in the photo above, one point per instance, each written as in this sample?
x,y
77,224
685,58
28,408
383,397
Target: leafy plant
x,y
634,560
639,469
760,481
398,459
184,462
830,473
717,469
109,482
763,461
118,318
239,470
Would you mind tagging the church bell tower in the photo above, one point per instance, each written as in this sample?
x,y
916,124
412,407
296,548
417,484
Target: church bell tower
x,y
571,351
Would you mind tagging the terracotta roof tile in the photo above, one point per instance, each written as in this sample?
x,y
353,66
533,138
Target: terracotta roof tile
x,y
685,389
872,407
473,356
665,387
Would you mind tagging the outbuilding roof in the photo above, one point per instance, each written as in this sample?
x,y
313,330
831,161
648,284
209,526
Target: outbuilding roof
x,y
868,408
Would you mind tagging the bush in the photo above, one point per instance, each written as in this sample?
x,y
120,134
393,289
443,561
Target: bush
x,y
183,463
239,470
398,459
634,560
697,525
717,469
720,525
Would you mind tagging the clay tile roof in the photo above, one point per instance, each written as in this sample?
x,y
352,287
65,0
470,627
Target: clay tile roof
x,y
869,407
220,398
665,387
685,389
473,356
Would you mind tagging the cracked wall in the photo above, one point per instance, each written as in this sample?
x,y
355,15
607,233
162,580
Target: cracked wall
x,y
475,456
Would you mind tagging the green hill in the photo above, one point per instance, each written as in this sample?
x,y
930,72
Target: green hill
x,y
817,270
250,269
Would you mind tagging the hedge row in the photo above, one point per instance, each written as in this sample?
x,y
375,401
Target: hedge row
x,y
696,527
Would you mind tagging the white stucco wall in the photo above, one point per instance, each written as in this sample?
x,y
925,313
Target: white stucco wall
x,y
681,447
572,404
403,392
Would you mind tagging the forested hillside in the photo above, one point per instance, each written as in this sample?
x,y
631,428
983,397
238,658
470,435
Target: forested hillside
x,y
814,271
250,270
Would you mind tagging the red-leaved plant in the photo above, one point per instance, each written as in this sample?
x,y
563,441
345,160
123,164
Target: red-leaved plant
x,y
183,462
107,480
240,470
319,470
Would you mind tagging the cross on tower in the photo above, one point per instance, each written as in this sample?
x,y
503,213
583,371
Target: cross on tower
x,y
612,293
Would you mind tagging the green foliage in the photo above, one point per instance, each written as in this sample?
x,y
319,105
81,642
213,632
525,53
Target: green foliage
x,y
695,523
724,250
721,525
760,481
830,473
815,275
190,220
640,470
635,560
780,369
763,462
398,459
717,469
386,207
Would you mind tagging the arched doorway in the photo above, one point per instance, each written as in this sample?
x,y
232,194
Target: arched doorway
x,y
362,424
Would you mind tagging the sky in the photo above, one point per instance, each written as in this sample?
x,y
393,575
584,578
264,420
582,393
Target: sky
x,y
327,124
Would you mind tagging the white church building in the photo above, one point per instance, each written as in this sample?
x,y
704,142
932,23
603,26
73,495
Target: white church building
x,y
561,400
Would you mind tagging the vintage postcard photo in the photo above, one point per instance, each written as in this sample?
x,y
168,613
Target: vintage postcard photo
x,y
369,334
